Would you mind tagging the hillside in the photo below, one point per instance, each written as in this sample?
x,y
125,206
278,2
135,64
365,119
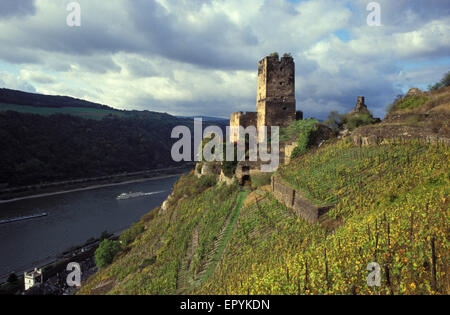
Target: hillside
x,y
57,138
391,207
38,149
424,115
9,96
23,102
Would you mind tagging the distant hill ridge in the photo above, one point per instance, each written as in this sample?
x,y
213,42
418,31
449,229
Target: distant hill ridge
x,y
39,100
204,118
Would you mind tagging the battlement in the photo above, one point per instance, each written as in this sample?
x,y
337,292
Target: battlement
x,y
276,79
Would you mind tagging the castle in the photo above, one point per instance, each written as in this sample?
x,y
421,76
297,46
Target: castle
x,y
275,102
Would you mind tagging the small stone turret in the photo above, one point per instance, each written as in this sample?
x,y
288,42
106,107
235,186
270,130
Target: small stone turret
x,y
361,107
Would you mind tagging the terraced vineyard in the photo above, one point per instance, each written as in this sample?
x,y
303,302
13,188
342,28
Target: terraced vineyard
x,y
393,202
177,246
392,209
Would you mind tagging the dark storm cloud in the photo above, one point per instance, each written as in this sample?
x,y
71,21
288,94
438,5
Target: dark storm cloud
x,y
17,55
143,27
218,43
403,14
10,8
189,50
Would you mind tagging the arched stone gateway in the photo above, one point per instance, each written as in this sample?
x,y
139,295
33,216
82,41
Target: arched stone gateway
x,y
246,180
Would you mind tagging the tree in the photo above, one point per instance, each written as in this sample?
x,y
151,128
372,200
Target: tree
x,y
229,167
130,235
334,120
435,86
12,278
104,235
446,79
105,253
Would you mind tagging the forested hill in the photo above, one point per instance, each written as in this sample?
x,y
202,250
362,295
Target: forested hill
x,y
38,149
44,139
8,96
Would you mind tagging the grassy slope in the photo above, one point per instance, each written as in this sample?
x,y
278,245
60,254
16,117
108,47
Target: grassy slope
x,y
377,191
392,200
167,237
427,102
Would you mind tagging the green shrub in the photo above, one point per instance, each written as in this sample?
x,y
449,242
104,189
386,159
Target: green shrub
x,y
207,181
104,235
105,253
261,180
352,121
445,81
229,167
306,129
434,87
295,129
409,102
12,278
333,121
130,235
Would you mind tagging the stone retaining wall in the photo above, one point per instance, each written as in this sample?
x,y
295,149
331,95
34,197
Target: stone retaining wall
x,y
293,199
376,135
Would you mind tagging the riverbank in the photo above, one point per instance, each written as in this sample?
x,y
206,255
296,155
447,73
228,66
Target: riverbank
x,y
55,273
51,189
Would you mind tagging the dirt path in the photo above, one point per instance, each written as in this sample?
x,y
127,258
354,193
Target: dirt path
x,y
216,254
183,280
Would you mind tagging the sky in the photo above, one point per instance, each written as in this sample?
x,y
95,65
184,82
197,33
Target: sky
x,y
200,57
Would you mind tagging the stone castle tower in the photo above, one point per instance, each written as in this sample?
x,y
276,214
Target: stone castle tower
x,y
275,102
276,91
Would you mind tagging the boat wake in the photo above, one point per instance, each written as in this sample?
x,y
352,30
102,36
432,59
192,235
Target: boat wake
x,y
131,195
27,217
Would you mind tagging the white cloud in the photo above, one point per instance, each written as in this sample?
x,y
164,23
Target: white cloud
x,y
11,81
200,57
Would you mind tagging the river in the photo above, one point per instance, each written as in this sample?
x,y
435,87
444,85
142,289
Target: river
x,y
72,219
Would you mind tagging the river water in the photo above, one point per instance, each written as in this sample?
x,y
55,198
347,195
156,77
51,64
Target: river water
x,y
72,219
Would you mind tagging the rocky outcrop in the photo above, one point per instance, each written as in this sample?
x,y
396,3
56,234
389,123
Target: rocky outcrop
x,y
227,180
210,168
286,151
321,134
165,205
414,91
